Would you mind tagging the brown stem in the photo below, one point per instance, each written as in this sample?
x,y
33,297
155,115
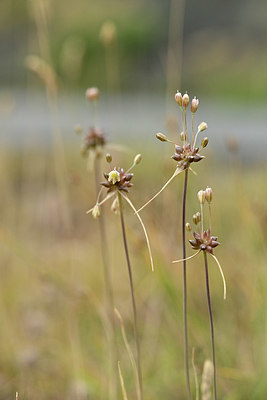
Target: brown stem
x,y
211,326
108,293
186,362
133,300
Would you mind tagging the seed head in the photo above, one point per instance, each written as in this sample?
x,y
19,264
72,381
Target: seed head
x,y
178,98
96,211
92,94
204,142
208,194
161,137
108,158
185,100
114,176
202,127
194,105
201,196
188,227
137,159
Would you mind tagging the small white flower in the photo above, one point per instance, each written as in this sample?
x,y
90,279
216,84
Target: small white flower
x,y
114,176
96,211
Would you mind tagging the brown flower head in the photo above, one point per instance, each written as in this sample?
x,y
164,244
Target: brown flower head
x,y
204,242
185,155
94,138
117,179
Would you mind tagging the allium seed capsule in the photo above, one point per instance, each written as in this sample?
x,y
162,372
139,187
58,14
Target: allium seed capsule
x,y
185,101
194,105
202,127
108,158
208,194
198,216
204,142
195,219
92,94
178,98
96,211
201,196
114,176
161,137
188,227
137,159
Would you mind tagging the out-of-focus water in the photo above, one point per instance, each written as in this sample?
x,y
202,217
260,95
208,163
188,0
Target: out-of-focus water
x,y
25,119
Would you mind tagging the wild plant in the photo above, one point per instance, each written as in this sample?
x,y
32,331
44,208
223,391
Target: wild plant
x,y
204,241
118,184
186,153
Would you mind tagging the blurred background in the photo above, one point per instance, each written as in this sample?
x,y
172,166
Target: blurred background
x,y
53,323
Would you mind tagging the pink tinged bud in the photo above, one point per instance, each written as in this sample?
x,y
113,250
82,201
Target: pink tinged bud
x,y
194,105
92,94
201,196
185,100
178,98
208,194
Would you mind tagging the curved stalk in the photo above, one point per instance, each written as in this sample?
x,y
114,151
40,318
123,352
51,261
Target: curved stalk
x,y
211,326
186,362
109,295
140,397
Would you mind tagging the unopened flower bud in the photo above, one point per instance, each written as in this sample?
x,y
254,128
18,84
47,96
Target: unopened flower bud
x,y
108,33
201,196
114,176
161,137
188,227
108,158
92,94
96,211
208,194
182,136
185,101
137,159
194,105
195,219
178,98
202,127
78,129
115,206
198,216
204,142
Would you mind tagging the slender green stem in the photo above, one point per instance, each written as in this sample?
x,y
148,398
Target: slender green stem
x,y
211,326
133,300
108,294
186,362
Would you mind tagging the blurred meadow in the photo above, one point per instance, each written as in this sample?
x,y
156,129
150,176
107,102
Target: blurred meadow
x,y
54,328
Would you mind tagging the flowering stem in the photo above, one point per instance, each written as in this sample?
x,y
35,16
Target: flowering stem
x,y
133,299
211,325
185,291
109,294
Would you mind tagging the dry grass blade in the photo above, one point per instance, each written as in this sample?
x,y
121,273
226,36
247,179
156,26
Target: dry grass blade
x,y
176,172
223,278
144,229
124,394
206,381
129,351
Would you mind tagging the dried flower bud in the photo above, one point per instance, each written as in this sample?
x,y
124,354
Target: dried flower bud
x,y
204,142
194,105
198,216
92,94
182,136
208,194
78,129
188,227
195,219
108,33
114,176
108,158
115,206
201,196
185,101
96,211
202,127
161,137
178,98
137,159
